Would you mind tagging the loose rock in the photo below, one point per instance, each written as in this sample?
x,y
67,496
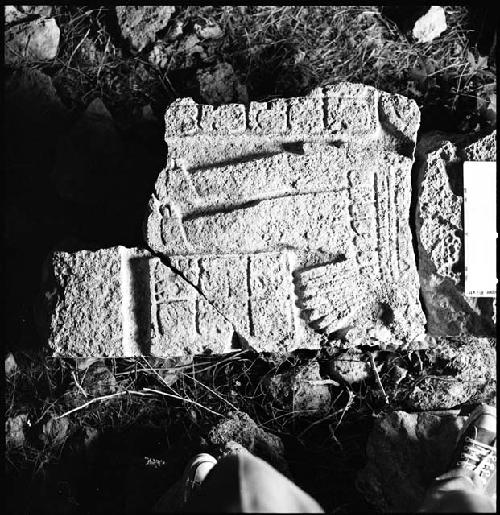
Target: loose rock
x,y
17,13
10,365
208,30
37,40
240,428
351,366
405,452
430,25
468,375
15,430
139,24
55,431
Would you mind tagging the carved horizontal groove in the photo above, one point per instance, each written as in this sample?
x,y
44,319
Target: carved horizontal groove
x,y
230,208
243,159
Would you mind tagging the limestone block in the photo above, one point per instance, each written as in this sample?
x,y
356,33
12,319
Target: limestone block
x,y
326,204
126,302
86,319
440,235
405,452
327,176
354,113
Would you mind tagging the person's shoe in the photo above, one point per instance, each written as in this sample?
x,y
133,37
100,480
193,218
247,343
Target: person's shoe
x,y
195,473
476,453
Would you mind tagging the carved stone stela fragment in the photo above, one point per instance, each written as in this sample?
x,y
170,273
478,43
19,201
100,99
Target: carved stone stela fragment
x,y
276,227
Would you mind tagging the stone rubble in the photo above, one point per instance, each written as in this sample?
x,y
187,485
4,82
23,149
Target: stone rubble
x,y
139,24
469,376
18,13
431,25
440,235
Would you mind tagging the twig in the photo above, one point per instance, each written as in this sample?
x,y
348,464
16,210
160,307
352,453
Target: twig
x,y
212,391
79,386
98,399
178,397
377,378
76,48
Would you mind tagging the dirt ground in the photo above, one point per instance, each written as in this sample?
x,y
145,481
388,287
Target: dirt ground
x,y
112,434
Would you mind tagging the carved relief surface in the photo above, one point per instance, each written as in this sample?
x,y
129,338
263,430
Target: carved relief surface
x,y
276,226
326,177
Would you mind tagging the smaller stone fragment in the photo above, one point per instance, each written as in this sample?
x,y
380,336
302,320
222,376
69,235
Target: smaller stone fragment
x,y
139,24
55,430
430,25
17,13
37,40
238,427
10,365
351,366
98,380
468,375
15,428
208,30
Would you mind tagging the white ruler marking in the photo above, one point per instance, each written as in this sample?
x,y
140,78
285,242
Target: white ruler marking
x,y
480,228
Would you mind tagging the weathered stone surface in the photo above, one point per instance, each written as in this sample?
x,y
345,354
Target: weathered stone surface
x,y
86,318
405,452
125,302
326,177
17,13
345,112
15,431
468,376
239,428
139,24
351,366
10,365
439,226
430,25
37,40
